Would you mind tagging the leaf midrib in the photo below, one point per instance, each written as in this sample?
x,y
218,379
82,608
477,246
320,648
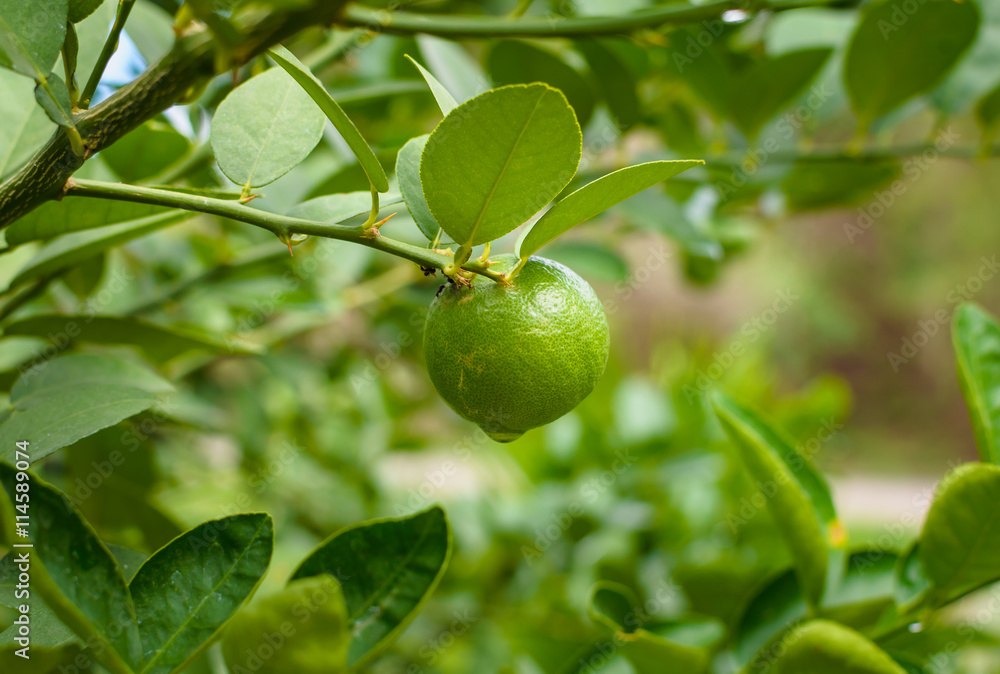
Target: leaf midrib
x,y
395,574
506,164
183,625
270,132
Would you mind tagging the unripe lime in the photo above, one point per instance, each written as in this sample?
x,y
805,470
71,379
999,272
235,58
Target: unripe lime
x,y
511,358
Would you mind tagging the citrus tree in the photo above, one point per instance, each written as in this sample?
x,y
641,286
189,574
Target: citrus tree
x,y
219,219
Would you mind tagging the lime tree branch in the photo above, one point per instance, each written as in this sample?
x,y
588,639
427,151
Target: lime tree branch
x,y
407,23
281,226
190,62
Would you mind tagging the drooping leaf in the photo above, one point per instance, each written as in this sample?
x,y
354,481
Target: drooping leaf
x,y
613,607
497,159
318,645
976,340
614,79
975,73
31,35
72,249
594,198
315,89
160,342
796,496
517,62
265,128
187,591
655,211
81,9
707,73
55,218
390,568
53,95
408,175
444,99
770,85
960,542
57,402
891,60
453,67
819,184
80,581
825,647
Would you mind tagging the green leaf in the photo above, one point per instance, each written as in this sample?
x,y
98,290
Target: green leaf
x,y
452,65
79,580
312,86
53,96
615,608
708,75
976,72
594,198
960,543
820,184
768,86
911,582
52,643
497,159
390,568
26,126
517,62
160,342
317,645
864,590
145,152
824,647
655,211
976,340
68,415
74,248
188,590
615,80
776,607
81,9
57,402
408,176
797,497
31,35
895,55
444,99
55,218
265,128
47,378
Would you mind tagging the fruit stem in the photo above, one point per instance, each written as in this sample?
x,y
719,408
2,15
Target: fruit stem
x,y
462,256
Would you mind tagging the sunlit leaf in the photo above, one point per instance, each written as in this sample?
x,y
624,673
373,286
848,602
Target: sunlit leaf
x,y
497,159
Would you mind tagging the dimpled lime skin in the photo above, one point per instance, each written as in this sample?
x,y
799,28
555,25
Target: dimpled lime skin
x,y
512,358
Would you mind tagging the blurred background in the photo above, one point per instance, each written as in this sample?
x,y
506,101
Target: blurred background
x,y
810,270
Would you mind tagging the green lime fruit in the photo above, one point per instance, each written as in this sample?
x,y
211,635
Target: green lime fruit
x,y
512,358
